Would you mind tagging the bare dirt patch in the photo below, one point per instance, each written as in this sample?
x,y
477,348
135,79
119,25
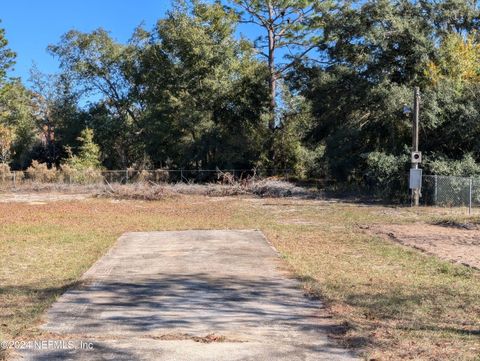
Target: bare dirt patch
x,y
39,198
457,244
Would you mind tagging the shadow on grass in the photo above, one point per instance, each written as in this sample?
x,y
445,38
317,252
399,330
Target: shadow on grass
x,y
425,309
22,304
397,310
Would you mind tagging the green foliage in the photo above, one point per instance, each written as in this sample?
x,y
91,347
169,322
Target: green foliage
x,y
88,156
7,57
288,27
381,167
100,67
19,116
457,62
465,167
377,51
290,151
189,93
186,94
386,174
16,119
84,167
204,92
6,141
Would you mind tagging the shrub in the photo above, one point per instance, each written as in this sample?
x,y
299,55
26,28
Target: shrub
x,y
386,175
162,176
144,176
84,168
89,153
5,173
81,176
39,172
465,167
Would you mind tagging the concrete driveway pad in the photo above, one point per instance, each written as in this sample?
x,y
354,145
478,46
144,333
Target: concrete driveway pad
x,y
189,295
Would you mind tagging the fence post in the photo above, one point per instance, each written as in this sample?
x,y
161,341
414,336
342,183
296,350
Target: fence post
x,y
14,179
435,199
126,176
181,175
470,198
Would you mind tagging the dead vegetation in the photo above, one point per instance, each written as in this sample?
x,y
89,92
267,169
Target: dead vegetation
x,y
146,185
269,187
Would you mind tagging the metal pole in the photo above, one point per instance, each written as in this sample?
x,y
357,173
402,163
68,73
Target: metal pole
x,y
14,179
470,198
416,120
436,190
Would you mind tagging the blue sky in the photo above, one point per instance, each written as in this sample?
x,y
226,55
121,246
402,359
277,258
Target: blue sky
x,y
32,25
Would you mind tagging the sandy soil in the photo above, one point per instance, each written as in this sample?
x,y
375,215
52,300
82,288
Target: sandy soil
x,y
451,243
39,198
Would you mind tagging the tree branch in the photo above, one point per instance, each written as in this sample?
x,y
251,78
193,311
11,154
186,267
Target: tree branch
x,y
289,65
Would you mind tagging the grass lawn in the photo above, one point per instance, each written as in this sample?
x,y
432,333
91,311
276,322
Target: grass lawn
x,y
393,302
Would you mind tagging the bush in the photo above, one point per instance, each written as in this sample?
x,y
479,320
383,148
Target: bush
x,y
84,168
5,173
466,167
39,172
162,175
386,175
144,176
157,176
80,176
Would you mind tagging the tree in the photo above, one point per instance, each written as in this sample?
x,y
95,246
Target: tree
x,y
88,156
7,57
16,119
6,142
17,114
457,61
377,52
204,92
287,26
57,114
100,67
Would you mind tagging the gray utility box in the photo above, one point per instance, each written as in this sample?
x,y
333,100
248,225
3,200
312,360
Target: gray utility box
x,y
415,178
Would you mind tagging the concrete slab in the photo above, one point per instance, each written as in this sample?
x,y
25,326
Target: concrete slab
x,y
190,295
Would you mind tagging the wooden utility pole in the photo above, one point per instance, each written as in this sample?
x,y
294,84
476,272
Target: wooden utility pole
x,y
416,119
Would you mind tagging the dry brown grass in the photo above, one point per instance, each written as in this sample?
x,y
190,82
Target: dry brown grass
x,y
392,301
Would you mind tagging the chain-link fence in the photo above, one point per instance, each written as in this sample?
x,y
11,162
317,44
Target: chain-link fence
x,y
450,191
18,179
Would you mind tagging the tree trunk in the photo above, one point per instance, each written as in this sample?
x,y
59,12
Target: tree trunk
x,y
273,101
272,70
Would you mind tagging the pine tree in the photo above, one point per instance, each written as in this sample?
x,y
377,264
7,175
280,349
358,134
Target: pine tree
x,y
89,153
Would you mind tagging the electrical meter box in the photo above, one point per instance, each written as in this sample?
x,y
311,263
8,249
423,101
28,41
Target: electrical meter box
x,y
415,178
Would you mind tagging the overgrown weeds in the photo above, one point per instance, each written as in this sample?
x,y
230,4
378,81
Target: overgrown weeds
x,y
152,191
